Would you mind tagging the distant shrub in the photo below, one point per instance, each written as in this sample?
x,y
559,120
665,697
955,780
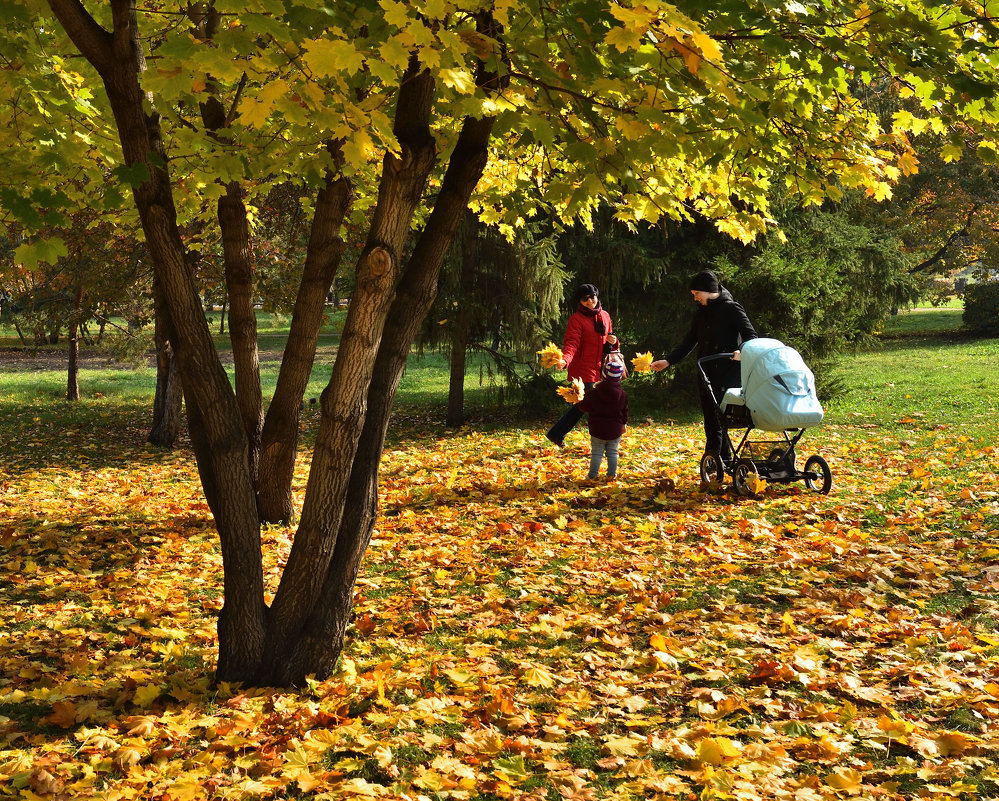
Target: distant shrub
x,y
130,348
981,307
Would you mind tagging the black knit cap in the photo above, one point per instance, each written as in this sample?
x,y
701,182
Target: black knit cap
x,y
704,281
583,290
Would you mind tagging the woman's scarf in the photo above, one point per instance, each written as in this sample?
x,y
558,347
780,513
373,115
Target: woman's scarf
x,y
598,320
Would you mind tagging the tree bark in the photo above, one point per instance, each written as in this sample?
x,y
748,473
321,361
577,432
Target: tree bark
x,y
236,254
73,371
168,402
217,434
242,317
316,650
279,439
459,342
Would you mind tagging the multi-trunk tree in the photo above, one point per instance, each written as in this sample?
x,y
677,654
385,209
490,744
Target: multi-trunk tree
x,y
407,113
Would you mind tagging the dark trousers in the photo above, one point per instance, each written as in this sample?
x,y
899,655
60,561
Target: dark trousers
x,y
567,421
722,376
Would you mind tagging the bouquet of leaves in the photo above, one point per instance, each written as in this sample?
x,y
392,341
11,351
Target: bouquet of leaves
x,y
574,392
551,355
642,362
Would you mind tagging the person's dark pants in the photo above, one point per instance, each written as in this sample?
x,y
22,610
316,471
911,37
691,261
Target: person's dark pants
x,y
722,376
567,421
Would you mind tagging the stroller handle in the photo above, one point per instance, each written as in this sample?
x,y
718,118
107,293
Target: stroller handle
x,y
712,358
715,357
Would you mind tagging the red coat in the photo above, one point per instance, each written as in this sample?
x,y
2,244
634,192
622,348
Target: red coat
x,y
583,347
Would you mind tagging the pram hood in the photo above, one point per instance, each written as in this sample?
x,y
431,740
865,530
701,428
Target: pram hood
x,y
777,386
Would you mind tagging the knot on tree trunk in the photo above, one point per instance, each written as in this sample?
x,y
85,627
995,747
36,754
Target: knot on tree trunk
x,y
379,262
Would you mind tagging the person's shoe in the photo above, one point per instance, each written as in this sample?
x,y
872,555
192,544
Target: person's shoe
x,y
558,443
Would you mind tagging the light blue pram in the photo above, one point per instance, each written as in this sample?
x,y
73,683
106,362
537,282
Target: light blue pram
x,y
777,396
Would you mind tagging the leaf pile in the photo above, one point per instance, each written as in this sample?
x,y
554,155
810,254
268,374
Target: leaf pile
x,y
550,355
521,634
572,393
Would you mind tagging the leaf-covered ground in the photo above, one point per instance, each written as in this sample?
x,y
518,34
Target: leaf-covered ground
x,y
522,633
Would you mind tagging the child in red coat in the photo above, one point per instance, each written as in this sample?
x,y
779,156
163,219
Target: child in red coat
x,y
607,408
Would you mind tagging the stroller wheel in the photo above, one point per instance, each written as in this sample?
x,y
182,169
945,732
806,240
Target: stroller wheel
x,y
744,485
782,456
712,468
818,476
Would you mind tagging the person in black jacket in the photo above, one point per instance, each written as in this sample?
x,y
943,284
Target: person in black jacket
x,y
720,325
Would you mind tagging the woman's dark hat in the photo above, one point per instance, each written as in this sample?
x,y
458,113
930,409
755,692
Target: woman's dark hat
x,y
583,290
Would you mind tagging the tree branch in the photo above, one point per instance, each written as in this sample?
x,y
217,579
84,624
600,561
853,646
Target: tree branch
x,y
938,256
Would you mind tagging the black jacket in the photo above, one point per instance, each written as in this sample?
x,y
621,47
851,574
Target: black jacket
x,y
720,327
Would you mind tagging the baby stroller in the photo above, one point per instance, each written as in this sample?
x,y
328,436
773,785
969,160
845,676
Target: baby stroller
x,y
778,396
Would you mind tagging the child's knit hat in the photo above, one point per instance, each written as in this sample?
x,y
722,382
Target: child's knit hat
x,y
613,370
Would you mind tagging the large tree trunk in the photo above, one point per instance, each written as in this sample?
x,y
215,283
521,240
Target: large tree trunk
x,y
217,433
302,633
343,402
279,440
316,650
459,342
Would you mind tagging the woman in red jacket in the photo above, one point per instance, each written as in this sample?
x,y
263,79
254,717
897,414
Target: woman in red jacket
x,y
586,335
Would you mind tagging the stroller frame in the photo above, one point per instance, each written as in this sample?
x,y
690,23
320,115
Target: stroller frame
x,y
778,466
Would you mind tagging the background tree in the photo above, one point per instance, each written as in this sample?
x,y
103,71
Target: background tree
x,y
101,276
496,296
667,111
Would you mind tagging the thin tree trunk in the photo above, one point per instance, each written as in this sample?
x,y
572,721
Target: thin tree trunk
x,y
168,402
459,342
236,252
73,372
279,440
242,317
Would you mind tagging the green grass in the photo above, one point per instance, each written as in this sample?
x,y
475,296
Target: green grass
x,y
923,372
925,321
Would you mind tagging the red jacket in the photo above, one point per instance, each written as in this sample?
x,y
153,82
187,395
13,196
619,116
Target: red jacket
x,y
583,346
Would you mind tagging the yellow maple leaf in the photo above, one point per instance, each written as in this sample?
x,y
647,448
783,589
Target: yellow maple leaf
x,y
954,743
624,39
146,694
716,750
845,780
709,47
551,355
190,788
755,484
141,726
539,677
786,622
642,362
572,393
